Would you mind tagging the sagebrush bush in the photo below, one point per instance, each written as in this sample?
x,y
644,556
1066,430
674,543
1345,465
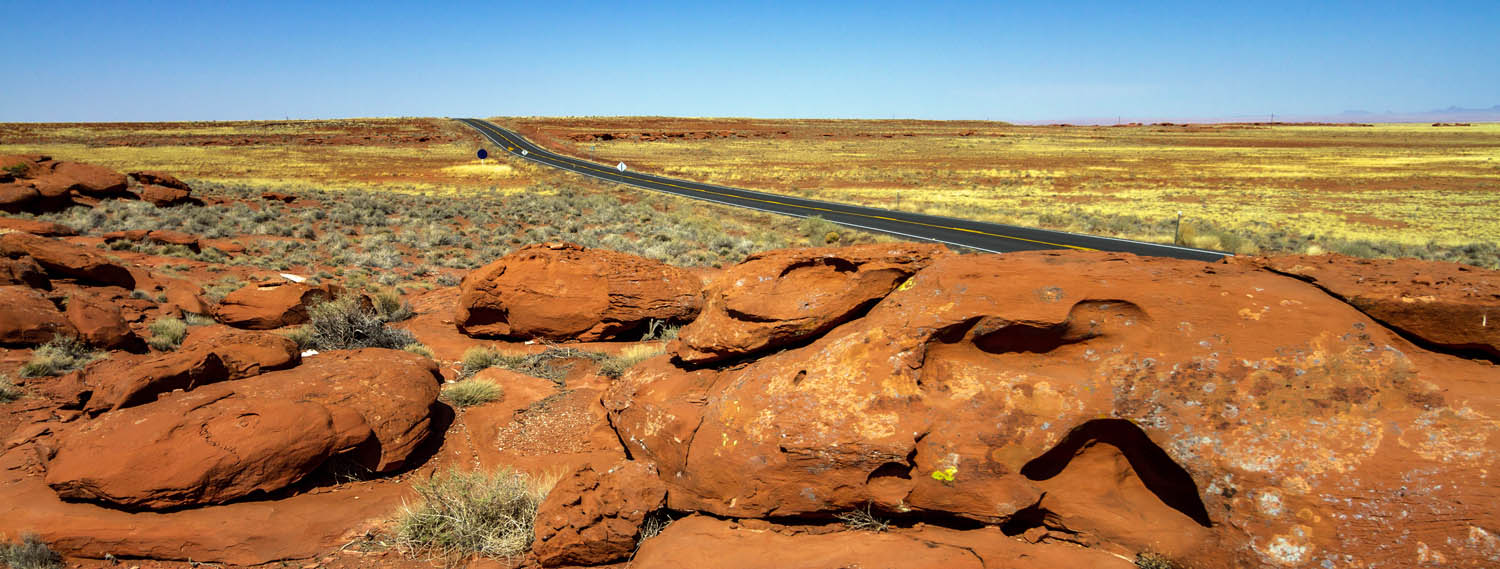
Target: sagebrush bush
x,y
58,356
819,231
167,333
471,392
8,389
345,324
30,553
463,513
547,365
391,308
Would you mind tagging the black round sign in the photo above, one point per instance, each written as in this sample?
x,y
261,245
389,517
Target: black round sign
x,y
483,154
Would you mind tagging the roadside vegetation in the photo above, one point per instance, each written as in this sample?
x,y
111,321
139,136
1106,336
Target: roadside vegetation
x,y
1402,190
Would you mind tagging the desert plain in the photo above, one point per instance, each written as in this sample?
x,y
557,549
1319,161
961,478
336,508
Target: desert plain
x,y
350,343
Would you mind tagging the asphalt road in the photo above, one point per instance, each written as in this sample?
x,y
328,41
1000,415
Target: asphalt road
x,y
991,237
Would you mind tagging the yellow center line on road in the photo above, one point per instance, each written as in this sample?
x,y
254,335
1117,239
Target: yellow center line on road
x,y
612,172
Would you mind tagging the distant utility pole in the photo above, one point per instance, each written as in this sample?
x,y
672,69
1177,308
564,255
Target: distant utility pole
x,y
1273,118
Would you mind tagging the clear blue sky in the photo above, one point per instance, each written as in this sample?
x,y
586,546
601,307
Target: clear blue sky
x,y
140,61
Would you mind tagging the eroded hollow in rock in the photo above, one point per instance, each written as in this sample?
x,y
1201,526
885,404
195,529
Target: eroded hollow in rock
x,y
1161,475
1086,320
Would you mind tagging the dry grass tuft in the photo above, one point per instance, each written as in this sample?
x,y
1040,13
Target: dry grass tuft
x,y
471,392
464,513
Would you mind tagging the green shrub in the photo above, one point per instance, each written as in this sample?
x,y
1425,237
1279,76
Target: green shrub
x,y
58,356
391,308
8,389
30,553
546,365
819,231
464,513
478,358
344,324
217,290
471,392
167,333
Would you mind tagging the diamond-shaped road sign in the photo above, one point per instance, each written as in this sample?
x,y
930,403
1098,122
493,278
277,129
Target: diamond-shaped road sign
x,y
620,167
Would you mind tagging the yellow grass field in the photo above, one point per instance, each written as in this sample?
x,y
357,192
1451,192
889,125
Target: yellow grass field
x,y
1376,189
423,155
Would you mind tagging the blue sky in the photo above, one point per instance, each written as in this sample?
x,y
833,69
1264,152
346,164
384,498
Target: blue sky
x,y
146,61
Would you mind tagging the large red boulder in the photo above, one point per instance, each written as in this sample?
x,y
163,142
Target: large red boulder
x,y
701,541
23,271
271,304
559,291
594,516
163,196
245,354
382,400
99,322
87,179
1223,416
36,227
191,450
1445,304
162,179
208,355
66,259
27,317
786,296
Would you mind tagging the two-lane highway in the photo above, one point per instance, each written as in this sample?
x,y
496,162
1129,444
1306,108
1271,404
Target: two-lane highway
x,y
991,237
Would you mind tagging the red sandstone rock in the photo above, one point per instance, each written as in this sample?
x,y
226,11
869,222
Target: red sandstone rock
x,y
45,184
245,354
99,322
23,271
271,304
17,196
594,516
36,227
1447,304
783,297
66,259
185,296
989,386
160,179
87,179
162,196
382,400
699,541
191,450
120,383
564,292
208,355
26,317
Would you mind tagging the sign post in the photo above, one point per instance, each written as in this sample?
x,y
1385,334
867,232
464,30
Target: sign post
x,y
482,155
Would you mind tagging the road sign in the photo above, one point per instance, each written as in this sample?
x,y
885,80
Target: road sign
x,y
483,154
621,167
524,152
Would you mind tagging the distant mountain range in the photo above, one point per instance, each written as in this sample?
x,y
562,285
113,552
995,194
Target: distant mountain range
x,y
1450,114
